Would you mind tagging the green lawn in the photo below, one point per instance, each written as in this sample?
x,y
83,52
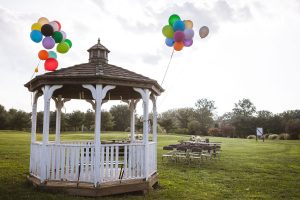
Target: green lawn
x,y
247,170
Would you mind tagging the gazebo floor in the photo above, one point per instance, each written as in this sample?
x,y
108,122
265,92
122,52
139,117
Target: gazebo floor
x,y
88,189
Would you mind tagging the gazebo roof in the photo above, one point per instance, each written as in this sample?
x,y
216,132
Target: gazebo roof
x,y
95,73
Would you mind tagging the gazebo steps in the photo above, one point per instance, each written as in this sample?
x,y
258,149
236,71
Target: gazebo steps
x,y
105,189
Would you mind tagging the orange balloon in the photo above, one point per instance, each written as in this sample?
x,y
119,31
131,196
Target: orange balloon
x,y
43,54
178,46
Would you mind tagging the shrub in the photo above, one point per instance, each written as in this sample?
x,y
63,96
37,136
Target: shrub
x,y
251,137
294,136
194,127
284,136
273,137
266,136
181,130
214,132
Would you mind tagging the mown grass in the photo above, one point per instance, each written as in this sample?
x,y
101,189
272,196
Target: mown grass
x,y
247,170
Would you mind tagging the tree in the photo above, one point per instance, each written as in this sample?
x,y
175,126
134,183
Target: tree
x,y
168,120
107,122
121,117
89,119
75,119
204,114
3,118
244,108
18,120
184,116
194,127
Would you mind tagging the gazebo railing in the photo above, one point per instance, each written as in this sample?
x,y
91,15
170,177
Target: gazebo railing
x,y
75,161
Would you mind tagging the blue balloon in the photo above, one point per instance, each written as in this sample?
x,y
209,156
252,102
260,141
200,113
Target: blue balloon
x,y
36,36
178,26
52,54
169,42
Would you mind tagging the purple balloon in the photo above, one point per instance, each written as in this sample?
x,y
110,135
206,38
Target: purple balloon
x,y
178,36
187,43
188,34
48,42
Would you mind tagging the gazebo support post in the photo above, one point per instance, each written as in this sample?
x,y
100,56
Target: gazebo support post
x,y
59,104
145,93
36,95
98,94
48,91
154,126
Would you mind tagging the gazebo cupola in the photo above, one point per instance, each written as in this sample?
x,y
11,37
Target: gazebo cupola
x,y
98,53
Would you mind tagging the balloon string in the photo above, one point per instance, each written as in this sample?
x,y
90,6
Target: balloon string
x,y
167,67
31,97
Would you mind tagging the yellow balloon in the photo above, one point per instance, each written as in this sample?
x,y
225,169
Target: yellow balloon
x,y
43,20
36,26
188,24
36,70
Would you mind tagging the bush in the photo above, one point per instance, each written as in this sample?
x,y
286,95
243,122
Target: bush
x,y
294,136
194,127
214,132
180,130
251,137
266,136
284,136
273,137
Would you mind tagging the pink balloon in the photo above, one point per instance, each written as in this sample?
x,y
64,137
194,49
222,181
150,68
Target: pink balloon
x,y
187,43
178,36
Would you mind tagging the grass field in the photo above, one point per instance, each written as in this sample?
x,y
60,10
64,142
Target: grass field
x,y
247,170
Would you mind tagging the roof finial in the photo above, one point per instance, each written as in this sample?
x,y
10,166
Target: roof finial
x,y
98,40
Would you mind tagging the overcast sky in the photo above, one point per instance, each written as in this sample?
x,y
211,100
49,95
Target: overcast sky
x,y
252,50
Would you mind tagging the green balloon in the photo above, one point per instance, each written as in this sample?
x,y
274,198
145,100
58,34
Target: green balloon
x,y
57,36
62,47
168,31
68,42
173,18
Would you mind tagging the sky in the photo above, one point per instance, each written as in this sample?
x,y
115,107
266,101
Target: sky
x,y
252,50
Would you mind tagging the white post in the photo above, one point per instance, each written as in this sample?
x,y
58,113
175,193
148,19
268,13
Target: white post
x,y
132,105
36,95
154,127
59,104
98,94
145,93
48,91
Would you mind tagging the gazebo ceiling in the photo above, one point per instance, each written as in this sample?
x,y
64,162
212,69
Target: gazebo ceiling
x,y
97,71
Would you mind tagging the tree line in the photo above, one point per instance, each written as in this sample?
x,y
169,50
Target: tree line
x,y
201,119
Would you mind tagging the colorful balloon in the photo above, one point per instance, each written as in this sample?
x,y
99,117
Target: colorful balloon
x,y
187,43
62,47
188,24
173,18
69,42
54,25
178,26
169,42
57,36
47,30
188,34
51,64
43,20
43,54
59,25
178,36
52,54
203,32
64,35
168,31
36,26
36,36
48,42
178,46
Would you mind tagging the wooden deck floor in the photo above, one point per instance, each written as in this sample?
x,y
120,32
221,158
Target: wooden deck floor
x,y
105,189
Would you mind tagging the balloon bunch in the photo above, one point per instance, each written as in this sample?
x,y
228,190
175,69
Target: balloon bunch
x,y
178,33
49,33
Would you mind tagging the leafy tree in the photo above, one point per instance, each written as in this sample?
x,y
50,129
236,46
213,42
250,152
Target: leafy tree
x,y
89,119
107,122
18,120
3,118
244,108
184,116
121,117
168,120
204,113
75,119
194,127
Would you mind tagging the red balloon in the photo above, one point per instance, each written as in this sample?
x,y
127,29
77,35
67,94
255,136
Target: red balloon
x,y
51,64
59,25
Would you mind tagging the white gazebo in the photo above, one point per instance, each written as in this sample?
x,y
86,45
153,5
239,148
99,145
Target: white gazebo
x,y
94,168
